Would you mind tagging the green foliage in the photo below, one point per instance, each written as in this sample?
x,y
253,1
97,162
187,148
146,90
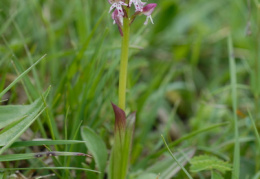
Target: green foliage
x,y
232,66
20,118
19,77
179,84
215,175
147,175
176,160
15,157
169,167
123,137
97,148
207,162
44,142
49,168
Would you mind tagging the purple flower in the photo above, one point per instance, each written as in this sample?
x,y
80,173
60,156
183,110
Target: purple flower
x,y
118,19
119,12
118,5
147,10
138,5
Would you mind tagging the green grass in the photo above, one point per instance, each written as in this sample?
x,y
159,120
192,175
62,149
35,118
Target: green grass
x,y
184,81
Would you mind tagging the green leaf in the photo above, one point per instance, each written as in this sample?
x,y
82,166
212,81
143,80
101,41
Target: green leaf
x,y
216,175
255,130
206,162
176,160
147,175
48,168
11,114
123,136
19,77
97,147
189,136
44,142
28,114
233,78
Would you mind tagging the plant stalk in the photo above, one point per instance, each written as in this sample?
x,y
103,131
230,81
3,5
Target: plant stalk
x,y
124,61
257,91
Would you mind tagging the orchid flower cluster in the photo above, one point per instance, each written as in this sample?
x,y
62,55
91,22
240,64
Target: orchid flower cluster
x,y
140,9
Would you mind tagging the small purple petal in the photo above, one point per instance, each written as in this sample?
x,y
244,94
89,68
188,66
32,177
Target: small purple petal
x,y
149,8
115,1
138,5
118,5
118,19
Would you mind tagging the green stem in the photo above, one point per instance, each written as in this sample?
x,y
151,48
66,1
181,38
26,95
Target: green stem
x,y
232,64
256,93
124,62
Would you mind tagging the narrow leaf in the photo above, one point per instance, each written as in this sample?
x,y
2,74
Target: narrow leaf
x,y
49,168
232,65
188,136
176,160
97,147
169,168
33,112
44,142
19,77
15,157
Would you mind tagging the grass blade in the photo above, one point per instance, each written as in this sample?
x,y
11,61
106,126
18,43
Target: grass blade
x,y
183,169
8,137
45,142
255,129
49,168
188,136
167,168
257,140
19,77
232,65
15,157
16,135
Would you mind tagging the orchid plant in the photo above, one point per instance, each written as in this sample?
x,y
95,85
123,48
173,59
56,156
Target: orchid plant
x,y
124,126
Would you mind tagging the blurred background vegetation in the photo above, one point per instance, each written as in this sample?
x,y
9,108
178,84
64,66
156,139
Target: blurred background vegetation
x,y
179,75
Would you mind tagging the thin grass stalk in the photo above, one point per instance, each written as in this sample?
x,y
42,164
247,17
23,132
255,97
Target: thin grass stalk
x,y
257,57
175,159
257,141
236,159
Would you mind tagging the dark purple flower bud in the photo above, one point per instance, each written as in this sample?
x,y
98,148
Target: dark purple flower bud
x,y
120,117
